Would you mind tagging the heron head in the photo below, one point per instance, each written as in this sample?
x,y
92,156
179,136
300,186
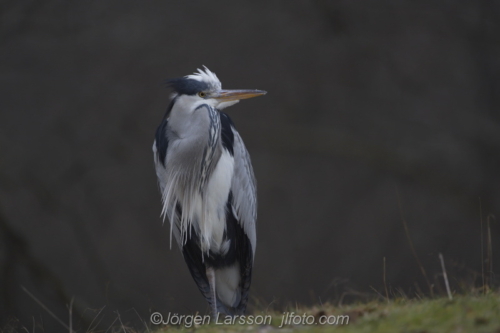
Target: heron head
x,y
203,87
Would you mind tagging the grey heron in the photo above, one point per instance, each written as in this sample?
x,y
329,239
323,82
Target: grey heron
x,y
208,188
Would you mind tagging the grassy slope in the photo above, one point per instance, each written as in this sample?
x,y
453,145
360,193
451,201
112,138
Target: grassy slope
x,y
462,314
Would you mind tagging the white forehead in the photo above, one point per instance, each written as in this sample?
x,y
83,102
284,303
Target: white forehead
x,y
206,76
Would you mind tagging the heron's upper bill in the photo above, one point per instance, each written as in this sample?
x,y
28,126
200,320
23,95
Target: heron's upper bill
x,y
236,95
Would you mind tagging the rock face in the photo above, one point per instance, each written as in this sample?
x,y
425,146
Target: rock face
x,y
367,105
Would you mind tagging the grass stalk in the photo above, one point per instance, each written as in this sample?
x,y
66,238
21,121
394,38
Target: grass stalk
x,y
385,284
410,242
445,277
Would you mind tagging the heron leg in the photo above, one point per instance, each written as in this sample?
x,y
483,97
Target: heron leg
x,y
211,280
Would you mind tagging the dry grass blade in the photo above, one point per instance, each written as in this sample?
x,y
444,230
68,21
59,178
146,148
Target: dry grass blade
x,y
46,309
482,245
71,315
385,285
407,232
489,251
445,277
91,328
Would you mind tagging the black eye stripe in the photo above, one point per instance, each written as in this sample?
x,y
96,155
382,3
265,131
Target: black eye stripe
x,y
185,86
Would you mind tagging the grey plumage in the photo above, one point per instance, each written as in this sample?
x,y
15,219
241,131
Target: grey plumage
x,y
208,189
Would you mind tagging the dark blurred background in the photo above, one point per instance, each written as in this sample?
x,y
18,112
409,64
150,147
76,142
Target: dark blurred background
x,y
368,104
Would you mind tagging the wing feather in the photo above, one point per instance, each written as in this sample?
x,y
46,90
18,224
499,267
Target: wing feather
x,y
244,190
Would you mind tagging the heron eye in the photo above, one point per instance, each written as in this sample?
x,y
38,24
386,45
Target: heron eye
x,y
202,94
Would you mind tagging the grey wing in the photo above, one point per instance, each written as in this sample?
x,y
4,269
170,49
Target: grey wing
x,y
244,190
160,149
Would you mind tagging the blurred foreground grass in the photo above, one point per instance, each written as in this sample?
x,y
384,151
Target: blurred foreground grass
x,y
462,314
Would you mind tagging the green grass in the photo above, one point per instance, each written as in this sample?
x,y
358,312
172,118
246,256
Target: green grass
x,y
462,314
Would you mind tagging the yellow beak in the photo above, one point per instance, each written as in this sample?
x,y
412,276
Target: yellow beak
x,y
236,95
